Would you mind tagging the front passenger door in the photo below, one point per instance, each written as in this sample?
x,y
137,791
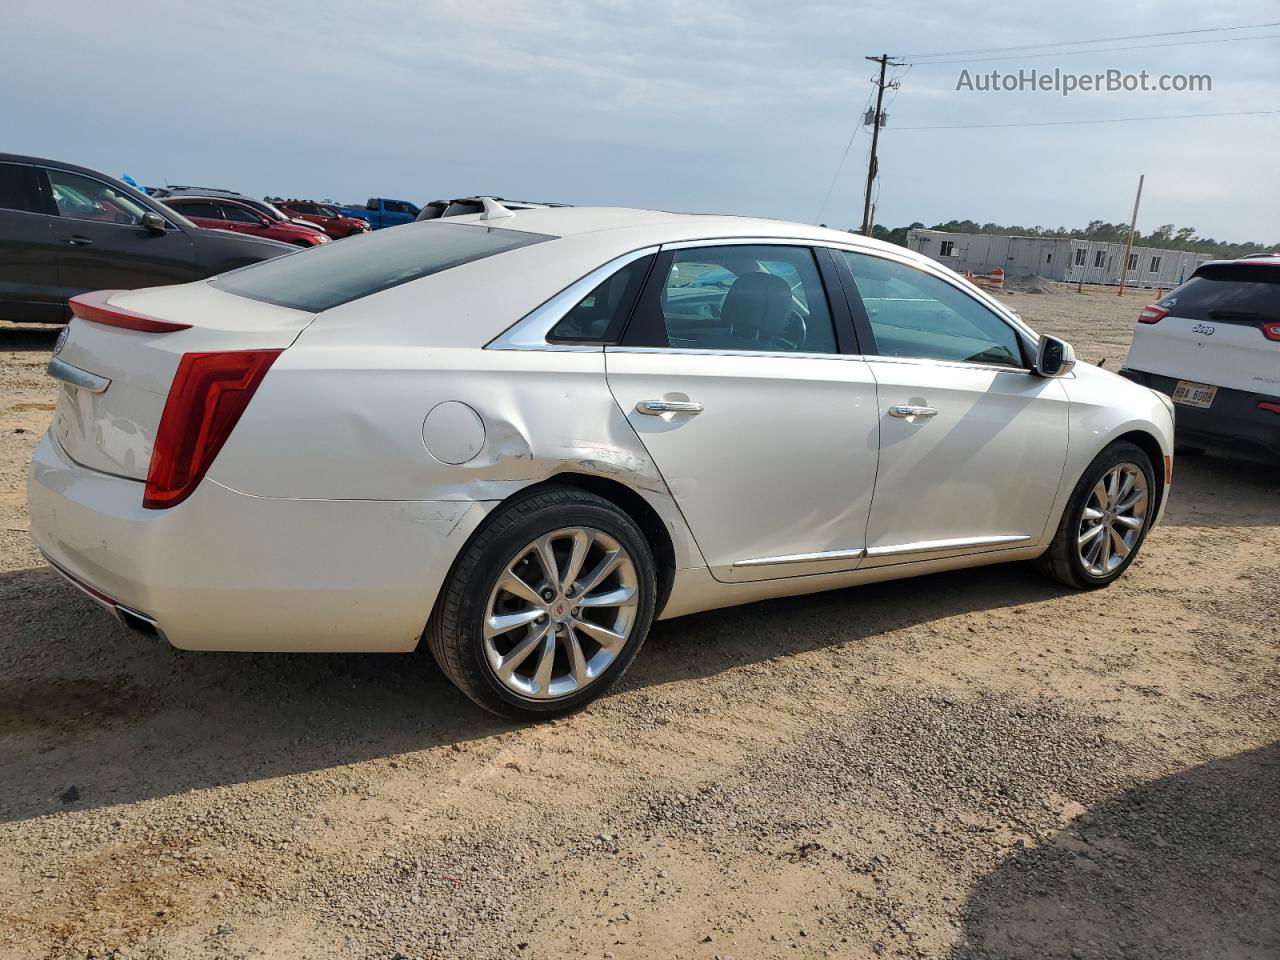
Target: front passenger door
x,y
29,287
972,443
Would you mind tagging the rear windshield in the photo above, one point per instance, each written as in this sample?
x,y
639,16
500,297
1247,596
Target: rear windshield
x,y
336,273
1234,293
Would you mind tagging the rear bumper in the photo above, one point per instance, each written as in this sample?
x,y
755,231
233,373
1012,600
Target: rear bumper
x,y
1234,423
226,571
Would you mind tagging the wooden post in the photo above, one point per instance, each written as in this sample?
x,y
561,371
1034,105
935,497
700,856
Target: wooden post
x,y
1128,247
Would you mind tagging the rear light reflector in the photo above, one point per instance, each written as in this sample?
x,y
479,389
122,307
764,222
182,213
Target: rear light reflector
x,y
1271,331
209,393
1271,407
1152,314
93,307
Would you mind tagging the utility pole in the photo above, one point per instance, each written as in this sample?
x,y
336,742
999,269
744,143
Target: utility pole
x,y
1128,247
877,121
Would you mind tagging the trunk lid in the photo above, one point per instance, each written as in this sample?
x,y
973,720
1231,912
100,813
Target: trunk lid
x,y
112,429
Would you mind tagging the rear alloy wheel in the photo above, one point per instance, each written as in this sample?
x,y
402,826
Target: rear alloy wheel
x,y
1105,521
561,613
547,606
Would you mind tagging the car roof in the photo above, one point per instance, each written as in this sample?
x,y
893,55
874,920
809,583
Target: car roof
x,y
644,227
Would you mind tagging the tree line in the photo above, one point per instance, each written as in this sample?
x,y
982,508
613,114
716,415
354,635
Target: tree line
x,y
1167,236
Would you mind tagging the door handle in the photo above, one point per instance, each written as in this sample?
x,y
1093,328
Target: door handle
x,y
80,241
656,408
905,411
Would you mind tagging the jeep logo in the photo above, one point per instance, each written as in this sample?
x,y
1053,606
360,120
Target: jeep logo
x,y
1203,328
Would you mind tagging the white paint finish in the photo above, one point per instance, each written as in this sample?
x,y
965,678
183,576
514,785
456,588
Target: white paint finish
x,y
781,460
113,431
1232,355
989,464
229,572
453,432
1105,407
325,523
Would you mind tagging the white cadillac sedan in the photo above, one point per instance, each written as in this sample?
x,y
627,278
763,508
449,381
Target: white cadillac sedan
x,y
526,436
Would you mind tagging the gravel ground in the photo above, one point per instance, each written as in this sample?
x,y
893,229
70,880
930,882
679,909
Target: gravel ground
x,y
977,764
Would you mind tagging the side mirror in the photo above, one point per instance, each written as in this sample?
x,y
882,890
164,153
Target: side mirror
x,y
154,222
1054,357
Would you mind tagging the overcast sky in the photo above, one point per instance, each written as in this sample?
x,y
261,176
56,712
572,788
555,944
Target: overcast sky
x,y
732,106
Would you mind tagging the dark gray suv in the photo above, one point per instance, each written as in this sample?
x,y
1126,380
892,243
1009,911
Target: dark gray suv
x,y
65,230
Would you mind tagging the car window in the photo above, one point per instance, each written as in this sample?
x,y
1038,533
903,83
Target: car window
x,y
748,297
199,208
82,198
1231,293
600,315
240,214
326,211
15,188
338,273
915,314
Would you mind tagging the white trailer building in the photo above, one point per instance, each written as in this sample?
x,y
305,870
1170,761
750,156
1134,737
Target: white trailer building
x,y
1066,259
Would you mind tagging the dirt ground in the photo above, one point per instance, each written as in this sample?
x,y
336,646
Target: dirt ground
x,y
977,764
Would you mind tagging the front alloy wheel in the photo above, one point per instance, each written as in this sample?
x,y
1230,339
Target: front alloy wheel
x,y
561,613
1113,519
1105,521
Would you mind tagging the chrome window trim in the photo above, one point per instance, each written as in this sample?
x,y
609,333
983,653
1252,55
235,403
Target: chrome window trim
x,y
700,352
61,370
825,555
932,546
744,242
531,331
962,364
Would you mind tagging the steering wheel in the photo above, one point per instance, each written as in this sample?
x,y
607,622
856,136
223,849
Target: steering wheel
x,y
795,333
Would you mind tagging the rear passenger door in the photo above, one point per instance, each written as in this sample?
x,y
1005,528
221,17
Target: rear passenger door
x,y
739,374
30,291
972,442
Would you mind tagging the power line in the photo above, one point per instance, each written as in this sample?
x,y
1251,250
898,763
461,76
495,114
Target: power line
x,y
1066,123
1081,53
843,157
1076,43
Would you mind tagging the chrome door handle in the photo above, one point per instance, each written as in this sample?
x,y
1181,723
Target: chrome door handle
x,y
656,408
80,241
905,410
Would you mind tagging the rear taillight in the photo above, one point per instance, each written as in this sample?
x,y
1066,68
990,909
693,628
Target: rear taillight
x,y
1152,314
1269,407
1271,331
209,393
94,308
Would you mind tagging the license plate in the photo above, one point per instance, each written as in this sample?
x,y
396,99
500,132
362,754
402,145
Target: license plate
x,y
1192,394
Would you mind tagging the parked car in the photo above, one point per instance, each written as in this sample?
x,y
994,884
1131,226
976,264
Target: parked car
x,y
325,216
1213,344
521,439
464,205
381,212
66,229
223,213
264,207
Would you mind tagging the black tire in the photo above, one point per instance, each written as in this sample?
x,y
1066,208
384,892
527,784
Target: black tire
x,y
454,633
1062,561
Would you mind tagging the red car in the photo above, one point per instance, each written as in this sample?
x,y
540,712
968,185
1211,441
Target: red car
x,y
328,218
221,213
